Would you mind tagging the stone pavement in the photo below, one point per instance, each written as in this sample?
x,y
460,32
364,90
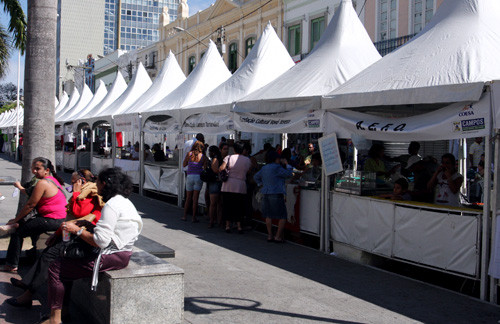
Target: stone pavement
x,y
231,278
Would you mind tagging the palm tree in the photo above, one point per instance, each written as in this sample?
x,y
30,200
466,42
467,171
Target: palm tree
x,y
39,83
17,27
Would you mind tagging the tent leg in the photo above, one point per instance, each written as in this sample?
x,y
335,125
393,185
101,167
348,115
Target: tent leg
x,y
495,204
180,188
486,221
141,162
326,207
322,213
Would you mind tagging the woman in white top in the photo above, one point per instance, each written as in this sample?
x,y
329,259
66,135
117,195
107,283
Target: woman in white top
x,y
447,181
115,233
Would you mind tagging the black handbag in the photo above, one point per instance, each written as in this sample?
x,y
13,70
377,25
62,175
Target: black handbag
x,y
224,174
76,248
208,175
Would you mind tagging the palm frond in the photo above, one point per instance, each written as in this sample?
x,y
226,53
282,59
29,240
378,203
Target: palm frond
x,y
4,51
17,24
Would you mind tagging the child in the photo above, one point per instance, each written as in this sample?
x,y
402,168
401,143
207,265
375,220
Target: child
x,y
400,191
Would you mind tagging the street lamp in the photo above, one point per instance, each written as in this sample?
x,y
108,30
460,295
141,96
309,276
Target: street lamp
x,y
180,29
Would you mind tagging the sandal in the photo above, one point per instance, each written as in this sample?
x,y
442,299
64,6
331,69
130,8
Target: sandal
x,y
8,268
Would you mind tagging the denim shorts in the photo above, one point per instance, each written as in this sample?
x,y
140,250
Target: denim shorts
x,y
193,182
273,206
214,187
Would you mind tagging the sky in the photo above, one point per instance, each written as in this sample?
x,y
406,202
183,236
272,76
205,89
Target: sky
x,y
194,7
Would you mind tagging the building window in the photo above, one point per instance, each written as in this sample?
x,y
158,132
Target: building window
x,y
388,17
249,43
294,40
191,63
233,57
317,29
423,10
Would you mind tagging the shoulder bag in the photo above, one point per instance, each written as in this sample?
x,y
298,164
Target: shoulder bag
x,y
224,174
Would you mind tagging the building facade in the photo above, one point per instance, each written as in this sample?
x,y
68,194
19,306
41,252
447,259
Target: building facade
x,y
131,24
77,21
233,26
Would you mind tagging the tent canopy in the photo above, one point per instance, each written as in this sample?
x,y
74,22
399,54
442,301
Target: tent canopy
x,y
448,61
267,60
117,88
99,95
82,102
169,78
62,103
73,100
210,72
343,51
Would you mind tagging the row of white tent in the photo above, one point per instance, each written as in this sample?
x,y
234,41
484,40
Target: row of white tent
x,y
432,85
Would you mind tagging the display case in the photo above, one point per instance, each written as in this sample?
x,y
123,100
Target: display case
x,y
356,182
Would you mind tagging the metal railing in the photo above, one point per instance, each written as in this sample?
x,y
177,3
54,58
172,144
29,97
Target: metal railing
x,y
386,46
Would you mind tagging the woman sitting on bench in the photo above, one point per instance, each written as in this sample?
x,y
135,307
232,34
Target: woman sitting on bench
x,y
115,233
84,206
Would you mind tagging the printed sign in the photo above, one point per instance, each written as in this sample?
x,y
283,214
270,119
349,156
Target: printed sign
x,y
163,127
455,121
330,155
297,122
208,123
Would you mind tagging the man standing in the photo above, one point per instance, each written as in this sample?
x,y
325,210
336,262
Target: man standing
x,y
311,150
475,152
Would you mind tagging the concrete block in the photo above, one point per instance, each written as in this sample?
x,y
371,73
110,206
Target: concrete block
x,y
149,290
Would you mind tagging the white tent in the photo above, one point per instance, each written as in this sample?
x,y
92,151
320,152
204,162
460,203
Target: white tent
x,y
267,60
117,88
343,51
169,78
75,96
62,103
448,61
99,95
139,84
56,102
206,76
85,98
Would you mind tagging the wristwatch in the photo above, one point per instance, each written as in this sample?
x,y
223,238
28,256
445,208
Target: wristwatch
x,y
80,231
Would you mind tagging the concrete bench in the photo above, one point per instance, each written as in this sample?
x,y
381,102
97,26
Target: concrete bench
x,y
149,290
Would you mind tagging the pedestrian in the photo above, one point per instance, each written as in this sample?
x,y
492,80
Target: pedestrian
x,y
50,202
235,188
115,234
214,187
195,161
272,178
84,208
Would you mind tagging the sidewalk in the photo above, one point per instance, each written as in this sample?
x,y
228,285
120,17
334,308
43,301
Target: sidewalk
x,y
231,278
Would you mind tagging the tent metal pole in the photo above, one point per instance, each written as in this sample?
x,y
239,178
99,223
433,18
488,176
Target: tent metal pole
x,y
494,206
92,139
327,214
180,188
322,213
486,219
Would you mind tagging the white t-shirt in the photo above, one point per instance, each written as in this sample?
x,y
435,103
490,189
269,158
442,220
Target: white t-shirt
x,y
444,195
476,150
120,224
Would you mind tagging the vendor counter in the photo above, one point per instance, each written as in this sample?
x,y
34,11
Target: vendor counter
x,y
442,237
83,160
101,162
59,158
307,212
69,160
163,177
130,167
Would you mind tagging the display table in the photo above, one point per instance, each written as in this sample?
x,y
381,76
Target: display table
x,y
441,237
101,162
130,167
69,160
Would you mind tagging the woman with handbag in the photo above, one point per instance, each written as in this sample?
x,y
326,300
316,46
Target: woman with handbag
x,y
50,203
234,188
195,161
115,233
215,186
84,208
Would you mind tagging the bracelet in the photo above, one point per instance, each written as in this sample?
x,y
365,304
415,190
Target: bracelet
x,y
80,231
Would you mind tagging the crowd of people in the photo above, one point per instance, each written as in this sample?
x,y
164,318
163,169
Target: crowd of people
x,y
233,176
95,230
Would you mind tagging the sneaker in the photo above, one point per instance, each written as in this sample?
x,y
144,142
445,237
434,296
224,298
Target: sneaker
x,y
8,229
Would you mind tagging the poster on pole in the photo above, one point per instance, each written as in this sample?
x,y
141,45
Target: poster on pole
x,y
330,155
